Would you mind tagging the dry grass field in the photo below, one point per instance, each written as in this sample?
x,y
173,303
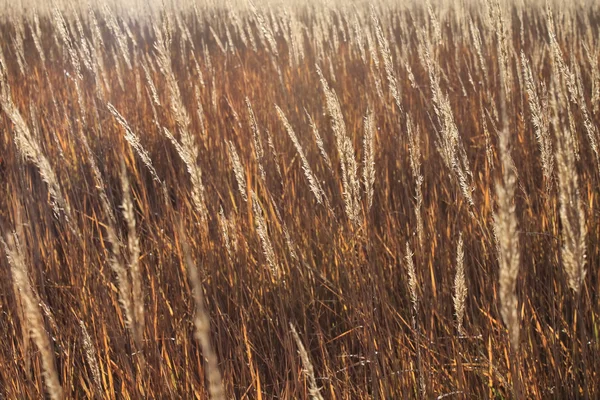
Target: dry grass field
x,y
260,200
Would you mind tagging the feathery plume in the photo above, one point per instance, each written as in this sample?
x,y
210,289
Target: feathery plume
x,y
313,183
33,314
133,244
90,356
460,287
414,149
369,156
313,390
350,181
263,234
31,150
238,169
319,141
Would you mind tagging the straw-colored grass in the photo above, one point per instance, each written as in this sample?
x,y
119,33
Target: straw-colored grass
x,y
255,200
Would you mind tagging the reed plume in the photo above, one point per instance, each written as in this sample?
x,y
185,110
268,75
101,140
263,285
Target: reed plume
x,y
369,157
460,287
238,169
135,270
540,122
319,141
313,390
350,181
313,183
33,315
31,150
263,234
414,149
90,356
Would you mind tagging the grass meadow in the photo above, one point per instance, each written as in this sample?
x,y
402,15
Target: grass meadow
x,y
278,200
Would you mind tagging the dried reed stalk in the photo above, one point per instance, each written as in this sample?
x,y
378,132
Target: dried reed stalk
x,y
216,390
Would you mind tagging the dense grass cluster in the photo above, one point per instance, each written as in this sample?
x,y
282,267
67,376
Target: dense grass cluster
x,y
320,201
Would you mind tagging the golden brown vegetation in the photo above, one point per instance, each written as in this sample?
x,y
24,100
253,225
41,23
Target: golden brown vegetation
x,y
317,201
